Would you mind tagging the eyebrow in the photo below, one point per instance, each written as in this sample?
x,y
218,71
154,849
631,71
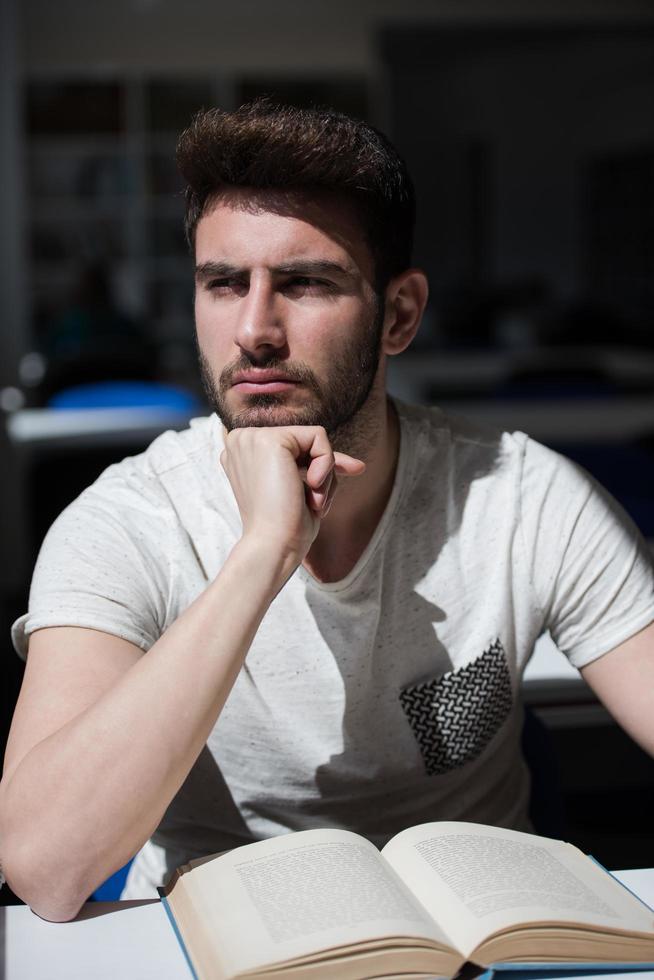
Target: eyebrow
x,y
299,267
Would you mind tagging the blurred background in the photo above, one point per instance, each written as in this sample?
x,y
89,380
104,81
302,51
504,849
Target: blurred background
x,y
529,128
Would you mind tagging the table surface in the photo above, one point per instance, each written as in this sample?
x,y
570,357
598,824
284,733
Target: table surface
x,y
134,941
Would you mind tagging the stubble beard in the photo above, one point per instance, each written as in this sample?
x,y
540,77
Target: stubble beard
x,y
345,403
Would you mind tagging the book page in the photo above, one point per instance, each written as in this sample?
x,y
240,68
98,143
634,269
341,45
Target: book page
x,y
292,895
475,880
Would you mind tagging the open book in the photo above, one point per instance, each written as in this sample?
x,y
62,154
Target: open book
x,y
326,904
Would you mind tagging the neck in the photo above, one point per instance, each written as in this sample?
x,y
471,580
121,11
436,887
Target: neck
x,y
359,503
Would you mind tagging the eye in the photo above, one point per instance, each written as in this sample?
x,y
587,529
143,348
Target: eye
x,y
308,285
226,287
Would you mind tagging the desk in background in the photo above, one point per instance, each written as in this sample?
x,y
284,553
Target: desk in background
x,y
55,454
46,428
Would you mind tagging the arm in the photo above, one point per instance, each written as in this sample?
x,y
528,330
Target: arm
x,y
593,576
93,760
623,680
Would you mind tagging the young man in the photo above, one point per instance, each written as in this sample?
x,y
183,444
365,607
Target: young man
x,y
329,628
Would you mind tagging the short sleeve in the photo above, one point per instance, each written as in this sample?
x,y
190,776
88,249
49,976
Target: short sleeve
x,y
103,564
590,569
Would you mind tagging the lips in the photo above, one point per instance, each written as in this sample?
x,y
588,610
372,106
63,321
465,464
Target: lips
x,y
260,376
262,382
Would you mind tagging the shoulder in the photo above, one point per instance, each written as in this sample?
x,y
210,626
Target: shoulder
x,y
189,447
462,442
503,471
151,477
140,501
112,559
464,438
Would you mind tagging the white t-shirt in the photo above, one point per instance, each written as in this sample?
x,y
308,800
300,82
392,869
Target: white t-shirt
x,y
388,698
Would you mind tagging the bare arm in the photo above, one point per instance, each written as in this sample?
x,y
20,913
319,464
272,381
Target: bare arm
x,y
94,759
624,681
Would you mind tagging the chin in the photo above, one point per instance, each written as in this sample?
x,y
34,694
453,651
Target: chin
x,y
270,413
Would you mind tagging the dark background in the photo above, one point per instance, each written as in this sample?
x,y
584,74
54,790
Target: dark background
x,y
529,128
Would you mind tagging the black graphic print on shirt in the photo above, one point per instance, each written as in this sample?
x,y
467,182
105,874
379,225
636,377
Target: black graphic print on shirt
x,y
455,716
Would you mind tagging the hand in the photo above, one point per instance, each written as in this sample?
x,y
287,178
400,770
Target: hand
x,y
284,480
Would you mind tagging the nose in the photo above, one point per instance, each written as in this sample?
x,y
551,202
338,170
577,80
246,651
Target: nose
x,y
259,325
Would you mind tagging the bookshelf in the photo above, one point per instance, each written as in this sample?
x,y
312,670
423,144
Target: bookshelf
x,y
103,192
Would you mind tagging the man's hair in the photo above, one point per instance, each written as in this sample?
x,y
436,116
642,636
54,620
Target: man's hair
x,y
265,146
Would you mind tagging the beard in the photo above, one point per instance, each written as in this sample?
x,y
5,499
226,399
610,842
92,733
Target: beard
x,y
337,401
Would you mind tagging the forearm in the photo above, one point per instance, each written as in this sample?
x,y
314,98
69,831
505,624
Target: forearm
x,y
84,799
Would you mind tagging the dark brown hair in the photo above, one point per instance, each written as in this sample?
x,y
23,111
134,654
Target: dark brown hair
x,y
274,147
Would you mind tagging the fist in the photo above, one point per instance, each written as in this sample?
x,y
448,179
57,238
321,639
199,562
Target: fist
x,y
284,479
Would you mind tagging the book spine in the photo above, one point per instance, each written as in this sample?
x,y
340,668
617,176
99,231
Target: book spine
x,y
171,919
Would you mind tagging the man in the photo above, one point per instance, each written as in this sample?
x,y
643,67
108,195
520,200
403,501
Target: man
x,y
328,629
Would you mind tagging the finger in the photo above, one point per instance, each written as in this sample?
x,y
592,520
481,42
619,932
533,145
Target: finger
x,y
309,442
330,498
317,497
320,469
348,465
339,463
314,442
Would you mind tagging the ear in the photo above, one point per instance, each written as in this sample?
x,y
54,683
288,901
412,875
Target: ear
x,y
406,298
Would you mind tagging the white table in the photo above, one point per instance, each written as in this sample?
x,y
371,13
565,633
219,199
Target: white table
x,y
134,941
107,941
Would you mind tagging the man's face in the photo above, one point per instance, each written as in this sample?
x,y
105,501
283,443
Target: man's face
x,y
287,319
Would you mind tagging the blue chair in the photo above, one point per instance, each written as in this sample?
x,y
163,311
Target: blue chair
x,y
125,394
110,890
